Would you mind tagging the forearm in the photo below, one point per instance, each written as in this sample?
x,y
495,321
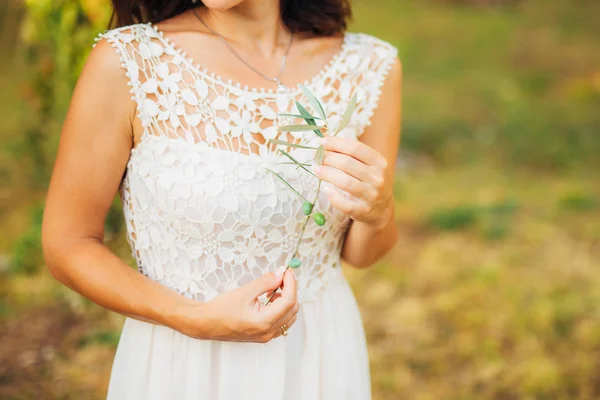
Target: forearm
x,y
366,244
88,267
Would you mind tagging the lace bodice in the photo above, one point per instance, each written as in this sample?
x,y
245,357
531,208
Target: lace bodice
x,y
203,213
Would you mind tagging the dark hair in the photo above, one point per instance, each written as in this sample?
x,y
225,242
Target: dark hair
x,y
316,17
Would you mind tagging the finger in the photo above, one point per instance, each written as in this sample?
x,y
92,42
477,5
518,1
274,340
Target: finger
x,y
350,206
290,295
276,296
354,148
292,321
289,289
288,319
343,181
265,284
289,298
348,164
288,323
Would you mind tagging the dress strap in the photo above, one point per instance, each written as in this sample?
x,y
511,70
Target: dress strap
x,y
130,43
376,60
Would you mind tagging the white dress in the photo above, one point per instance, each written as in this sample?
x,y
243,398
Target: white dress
x,y
204,215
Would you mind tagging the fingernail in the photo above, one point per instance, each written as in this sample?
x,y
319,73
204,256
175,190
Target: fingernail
x,y
323,141
326,190
317,169
279,271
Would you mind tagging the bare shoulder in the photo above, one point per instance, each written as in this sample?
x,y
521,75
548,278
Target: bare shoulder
x,y
104,61
184,22
313,46
104,84
383,129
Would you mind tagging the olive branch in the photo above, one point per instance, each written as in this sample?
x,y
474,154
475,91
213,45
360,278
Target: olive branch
x,y
308,206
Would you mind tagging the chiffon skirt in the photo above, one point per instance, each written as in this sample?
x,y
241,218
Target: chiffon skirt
x,y
323,357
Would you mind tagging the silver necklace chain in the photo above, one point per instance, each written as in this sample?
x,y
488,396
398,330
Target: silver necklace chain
x,y
283,60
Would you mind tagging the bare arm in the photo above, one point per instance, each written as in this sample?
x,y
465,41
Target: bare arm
x,y
366,243
365,169
94,149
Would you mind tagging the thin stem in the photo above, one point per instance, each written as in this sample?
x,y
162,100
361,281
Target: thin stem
x,y
290,186
296,161
306,219
295,253
310,120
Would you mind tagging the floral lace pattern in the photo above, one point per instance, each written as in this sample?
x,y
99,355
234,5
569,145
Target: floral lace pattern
x,y
203,213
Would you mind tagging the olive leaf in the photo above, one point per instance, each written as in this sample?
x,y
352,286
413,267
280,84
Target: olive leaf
x,y
284,143
300,116
320,155
296,128
308,118
347,114
295,161
284,181
314,101
305,114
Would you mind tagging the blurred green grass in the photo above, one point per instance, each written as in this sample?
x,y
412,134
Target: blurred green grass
x,y
493,289
519,83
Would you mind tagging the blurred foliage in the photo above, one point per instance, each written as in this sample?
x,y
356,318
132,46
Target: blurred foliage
x,y
579,202
493,221
27,256
104,337
493,291
453,218
56,37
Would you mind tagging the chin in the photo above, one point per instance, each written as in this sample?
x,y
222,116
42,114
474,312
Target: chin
x,y
221,5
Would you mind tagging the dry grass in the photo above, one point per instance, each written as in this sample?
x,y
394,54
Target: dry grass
x,y
465,315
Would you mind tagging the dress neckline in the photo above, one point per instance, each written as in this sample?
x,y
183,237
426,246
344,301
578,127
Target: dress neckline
x,y
235,85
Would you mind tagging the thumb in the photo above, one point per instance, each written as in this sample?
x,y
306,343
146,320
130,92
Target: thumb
x,y
266,283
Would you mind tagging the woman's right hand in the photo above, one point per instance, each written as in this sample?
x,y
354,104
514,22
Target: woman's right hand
x,y
238,315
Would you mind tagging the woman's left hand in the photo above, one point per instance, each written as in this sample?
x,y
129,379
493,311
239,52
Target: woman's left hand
x,y
361,171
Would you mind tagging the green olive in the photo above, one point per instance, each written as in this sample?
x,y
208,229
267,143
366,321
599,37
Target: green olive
x,y
319,219
307,207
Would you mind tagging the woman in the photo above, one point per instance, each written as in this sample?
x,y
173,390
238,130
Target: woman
x,y
173,110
